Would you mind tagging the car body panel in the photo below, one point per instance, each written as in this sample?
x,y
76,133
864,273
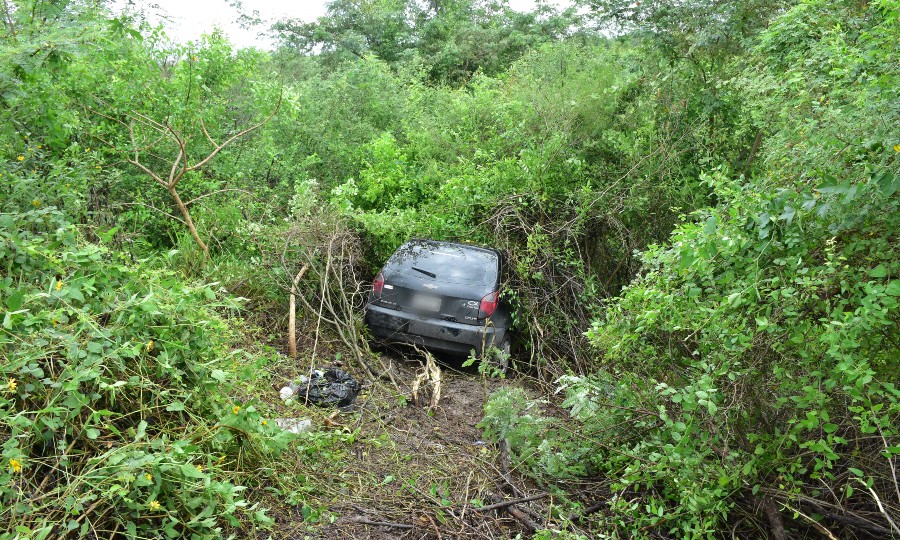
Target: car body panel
x,y
444,336
431,296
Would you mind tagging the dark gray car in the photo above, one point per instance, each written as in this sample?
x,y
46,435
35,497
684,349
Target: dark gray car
x,y
440,295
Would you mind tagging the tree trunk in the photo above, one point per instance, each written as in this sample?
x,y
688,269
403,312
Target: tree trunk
x,y
190,222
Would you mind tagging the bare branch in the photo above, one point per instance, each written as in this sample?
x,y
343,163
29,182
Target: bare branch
x,y
182,155
208,138
136,161
235,137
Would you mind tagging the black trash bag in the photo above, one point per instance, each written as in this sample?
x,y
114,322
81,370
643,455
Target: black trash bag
x,y
332,387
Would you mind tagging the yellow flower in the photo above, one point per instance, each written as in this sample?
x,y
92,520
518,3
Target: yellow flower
x,y
149,477
11,385
154,505
15,465
88,149
59,285
236,409
98,167
21,158
55,322
897,148
36,203
265,423
150,345
40,146
200,468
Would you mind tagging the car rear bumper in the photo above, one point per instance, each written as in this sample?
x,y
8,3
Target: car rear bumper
x,y
436,334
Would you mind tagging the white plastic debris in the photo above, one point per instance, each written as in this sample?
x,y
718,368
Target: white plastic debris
x,y
295,425
288,391
292,388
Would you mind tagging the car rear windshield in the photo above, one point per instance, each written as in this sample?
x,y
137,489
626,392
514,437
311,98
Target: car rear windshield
x,y
447,263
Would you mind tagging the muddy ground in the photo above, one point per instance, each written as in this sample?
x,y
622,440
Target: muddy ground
x,y
410,472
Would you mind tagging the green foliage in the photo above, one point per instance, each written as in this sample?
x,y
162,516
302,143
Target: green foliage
x,y
736,163
115,407
536,443
754,356
765,338
451,40
827,75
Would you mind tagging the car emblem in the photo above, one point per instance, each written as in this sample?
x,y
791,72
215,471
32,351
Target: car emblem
x,y
430,286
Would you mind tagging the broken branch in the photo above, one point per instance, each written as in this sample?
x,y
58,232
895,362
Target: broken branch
x,y
292,314
510,502
366,521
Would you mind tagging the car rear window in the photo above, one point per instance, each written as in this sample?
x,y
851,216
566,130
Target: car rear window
x,y
447,263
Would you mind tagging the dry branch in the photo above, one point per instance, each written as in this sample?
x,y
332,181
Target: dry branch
x,y
365,521
292,314
430,376
180,162
332,254
504,504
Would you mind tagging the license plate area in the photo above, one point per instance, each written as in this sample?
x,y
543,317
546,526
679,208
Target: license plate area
x,y
422,302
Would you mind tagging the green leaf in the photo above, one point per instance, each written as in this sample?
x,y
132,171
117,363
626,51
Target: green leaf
x,y
15,301
835,188
878,272
190,471
788,214
175,406
893,288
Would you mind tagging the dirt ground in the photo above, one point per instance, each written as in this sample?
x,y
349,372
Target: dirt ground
x,y
411,472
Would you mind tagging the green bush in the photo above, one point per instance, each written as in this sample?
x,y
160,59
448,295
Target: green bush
x,y
114,408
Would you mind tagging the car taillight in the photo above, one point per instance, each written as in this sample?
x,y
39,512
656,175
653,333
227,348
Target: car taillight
x,y
378,284
488,305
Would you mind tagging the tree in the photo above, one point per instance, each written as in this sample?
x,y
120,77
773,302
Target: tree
x,y
453,38
354,28
180,164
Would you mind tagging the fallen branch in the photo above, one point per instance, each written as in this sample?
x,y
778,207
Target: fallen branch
x,y
365,521
523,519
429,377
510,502
517,513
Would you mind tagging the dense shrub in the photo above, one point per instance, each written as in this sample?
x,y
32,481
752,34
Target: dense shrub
x,y
749,373
115,410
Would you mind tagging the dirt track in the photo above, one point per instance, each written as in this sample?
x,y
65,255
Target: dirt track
x,y
422,472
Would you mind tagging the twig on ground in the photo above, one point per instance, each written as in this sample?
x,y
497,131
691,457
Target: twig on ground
x,y
510,502
366,521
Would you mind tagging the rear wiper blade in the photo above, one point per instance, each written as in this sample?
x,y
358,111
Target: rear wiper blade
x,y
426,272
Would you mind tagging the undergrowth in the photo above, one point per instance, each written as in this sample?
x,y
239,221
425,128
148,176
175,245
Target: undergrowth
x,y
115,407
